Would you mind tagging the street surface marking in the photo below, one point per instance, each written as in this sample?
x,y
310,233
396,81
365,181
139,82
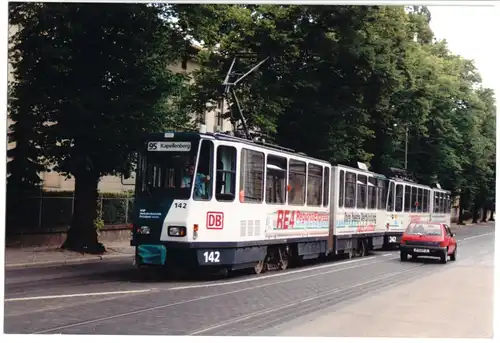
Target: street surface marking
x,y
387,255
44,297
298,302
474,237
197,299
302,270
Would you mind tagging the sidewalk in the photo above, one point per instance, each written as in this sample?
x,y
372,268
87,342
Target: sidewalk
x,y
454,303
468,223
26,257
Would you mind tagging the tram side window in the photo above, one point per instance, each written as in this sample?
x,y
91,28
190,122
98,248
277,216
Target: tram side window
x,y
399,198
419,200
326,187
251,176
225,181
425,200
361,191
297,182
390,197
437,203
314,184
448,203
350,190
204,174
381,194
276,172
407,204
341,188
414,200
372,193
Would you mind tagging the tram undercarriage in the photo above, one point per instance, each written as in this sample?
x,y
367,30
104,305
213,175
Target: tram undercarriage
x,y
257,259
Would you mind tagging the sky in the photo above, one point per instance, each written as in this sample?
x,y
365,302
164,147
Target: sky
x,y
469,31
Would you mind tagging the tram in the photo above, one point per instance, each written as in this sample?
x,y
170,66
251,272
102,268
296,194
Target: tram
x,y
218,201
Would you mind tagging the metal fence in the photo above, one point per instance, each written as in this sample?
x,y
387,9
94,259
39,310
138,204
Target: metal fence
x,y
50,214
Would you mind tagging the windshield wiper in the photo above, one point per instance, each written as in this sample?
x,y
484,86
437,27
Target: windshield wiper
x,y
148,188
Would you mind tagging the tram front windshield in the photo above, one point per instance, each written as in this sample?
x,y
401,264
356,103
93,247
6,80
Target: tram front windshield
x,y
166,173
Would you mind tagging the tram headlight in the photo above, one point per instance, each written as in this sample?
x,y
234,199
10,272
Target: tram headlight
x,y
144,230
176,231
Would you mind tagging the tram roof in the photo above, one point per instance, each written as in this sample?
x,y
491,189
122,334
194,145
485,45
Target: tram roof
x,y
230,138
376,175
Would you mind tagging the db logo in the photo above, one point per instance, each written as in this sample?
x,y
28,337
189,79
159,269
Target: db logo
x,y
215,220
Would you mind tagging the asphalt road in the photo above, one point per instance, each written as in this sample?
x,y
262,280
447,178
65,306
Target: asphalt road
x,y
109,297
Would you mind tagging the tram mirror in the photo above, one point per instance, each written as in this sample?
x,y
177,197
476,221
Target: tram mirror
x,y
127,179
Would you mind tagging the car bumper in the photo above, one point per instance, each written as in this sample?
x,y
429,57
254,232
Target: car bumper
x,y
422,250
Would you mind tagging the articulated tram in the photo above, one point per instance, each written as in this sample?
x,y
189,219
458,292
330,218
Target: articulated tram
x,y
219,201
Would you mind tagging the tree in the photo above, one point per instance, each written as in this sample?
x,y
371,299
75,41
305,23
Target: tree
x,y
25,165
91,88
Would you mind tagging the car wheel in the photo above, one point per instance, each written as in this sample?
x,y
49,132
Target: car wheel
x,y
444,256
453,256
403,256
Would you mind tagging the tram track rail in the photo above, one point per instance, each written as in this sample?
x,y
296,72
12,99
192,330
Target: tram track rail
x,y
310,302
253,323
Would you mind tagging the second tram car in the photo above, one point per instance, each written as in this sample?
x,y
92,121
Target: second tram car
x,y
408,202
223,202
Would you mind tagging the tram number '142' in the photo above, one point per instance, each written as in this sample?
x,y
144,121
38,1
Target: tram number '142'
x,y
212,256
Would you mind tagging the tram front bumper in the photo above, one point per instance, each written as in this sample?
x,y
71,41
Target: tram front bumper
x,y
151,254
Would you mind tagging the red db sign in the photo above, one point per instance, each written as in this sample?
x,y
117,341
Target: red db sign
x,y
215,220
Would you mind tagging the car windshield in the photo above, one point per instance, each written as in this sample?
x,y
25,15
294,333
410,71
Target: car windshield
x,y
424,229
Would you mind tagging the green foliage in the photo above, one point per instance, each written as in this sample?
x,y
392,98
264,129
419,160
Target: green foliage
x,y
340,77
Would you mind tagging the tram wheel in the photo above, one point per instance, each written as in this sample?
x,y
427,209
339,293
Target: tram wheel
x,y
350,254
259,267
283,263
362,248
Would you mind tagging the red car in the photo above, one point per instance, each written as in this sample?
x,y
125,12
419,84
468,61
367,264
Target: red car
x,y
428,239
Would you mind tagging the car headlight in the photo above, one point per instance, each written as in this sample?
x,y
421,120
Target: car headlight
x,y
176,231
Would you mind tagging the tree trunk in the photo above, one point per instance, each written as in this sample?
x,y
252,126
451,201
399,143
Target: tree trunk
x,y
485,214
82,235
475,214
492,211
460,214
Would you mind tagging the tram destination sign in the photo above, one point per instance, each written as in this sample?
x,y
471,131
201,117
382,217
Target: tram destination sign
x,y
169,146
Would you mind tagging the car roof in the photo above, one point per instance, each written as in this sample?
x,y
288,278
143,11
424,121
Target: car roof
x,y
426,222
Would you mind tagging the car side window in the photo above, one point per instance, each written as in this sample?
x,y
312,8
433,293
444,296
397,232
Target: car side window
x,y
448,230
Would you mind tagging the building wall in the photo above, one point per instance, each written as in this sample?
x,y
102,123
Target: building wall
x,y
53,181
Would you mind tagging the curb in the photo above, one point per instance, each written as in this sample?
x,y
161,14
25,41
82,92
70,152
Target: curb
x,y
66,262
470,225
